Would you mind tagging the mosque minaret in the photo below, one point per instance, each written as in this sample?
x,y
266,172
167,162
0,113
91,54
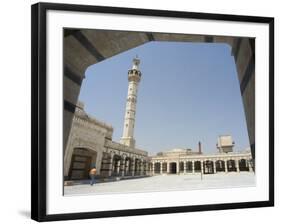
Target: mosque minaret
x,y
134,77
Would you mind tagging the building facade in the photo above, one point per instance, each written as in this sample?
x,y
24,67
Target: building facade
x,y
90,144
185,161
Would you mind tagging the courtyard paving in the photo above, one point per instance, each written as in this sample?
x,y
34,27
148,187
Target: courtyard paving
x,y
166,183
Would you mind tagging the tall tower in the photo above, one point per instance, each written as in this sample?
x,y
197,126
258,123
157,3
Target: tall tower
x,y
134,77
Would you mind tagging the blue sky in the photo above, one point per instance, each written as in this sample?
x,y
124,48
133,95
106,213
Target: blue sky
x,y
189,92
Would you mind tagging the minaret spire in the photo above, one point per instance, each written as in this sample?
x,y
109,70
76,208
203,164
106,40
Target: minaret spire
x,y
134,77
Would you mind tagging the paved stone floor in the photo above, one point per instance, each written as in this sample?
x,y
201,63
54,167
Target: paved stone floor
x,y
166,183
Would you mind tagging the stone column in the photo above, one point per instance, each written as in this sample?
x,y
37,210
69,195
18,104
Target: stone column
x,y
137,167
193,166
168,167
122,167
145,168
178,167
141,167
225,166
202,166
152,168
237,166
132,164
98,162
184,167
118,167
127,167
110,166
215,168
161,167
250,166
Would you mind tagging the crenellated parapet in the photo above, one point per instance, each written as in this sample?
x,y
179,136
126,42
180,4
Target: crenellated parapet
x,y
124,148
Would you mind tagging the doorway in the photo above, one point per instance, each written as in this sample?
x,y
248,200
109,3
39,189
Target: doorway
x,y
173,168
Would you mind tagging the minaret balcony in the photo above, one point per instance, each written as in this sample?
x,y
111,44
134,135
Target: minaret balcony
x,y
134,77
134,72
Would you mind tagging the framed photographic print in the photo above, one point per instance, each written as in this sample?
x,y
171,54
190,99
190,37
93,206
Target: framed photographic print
x,y
140,111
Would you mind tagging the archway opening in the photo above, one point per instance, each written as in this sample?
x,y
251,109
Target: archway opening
x,y
208,167
231,165
197,166
243,165
105,170
128,167
157,168
164,167
137,167
189,167
116,165
145,167
132,166
82,161
181,167
173,168
220,166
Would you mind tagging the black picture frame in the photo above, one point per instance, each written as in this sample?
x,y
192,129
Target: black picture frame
x,y
39,108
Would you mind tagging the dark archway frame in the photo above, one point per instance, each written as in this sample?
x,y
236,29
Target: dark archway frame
x,y
38,54
85,47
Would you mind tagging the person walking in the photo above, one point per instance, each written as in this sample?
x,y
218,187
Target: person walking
x,y
92,174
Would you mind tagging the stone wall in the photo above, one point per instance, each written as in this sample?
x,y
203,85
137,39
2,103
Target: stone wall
x,y
95,136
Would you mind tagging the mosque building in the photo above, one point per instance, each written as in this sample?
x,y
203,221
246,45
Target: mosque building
x,y
90,144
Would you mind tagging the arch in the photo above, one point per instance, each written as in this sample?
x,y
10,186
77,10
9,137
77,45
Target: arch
x,y
181,167
141,166
189,166
116,161
173,168
197,166
145,167
132,166
231,166
220,166
137,167
76,63
157,167
106,165
243,165
208,167
164,167
128,166
82,160
150,167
